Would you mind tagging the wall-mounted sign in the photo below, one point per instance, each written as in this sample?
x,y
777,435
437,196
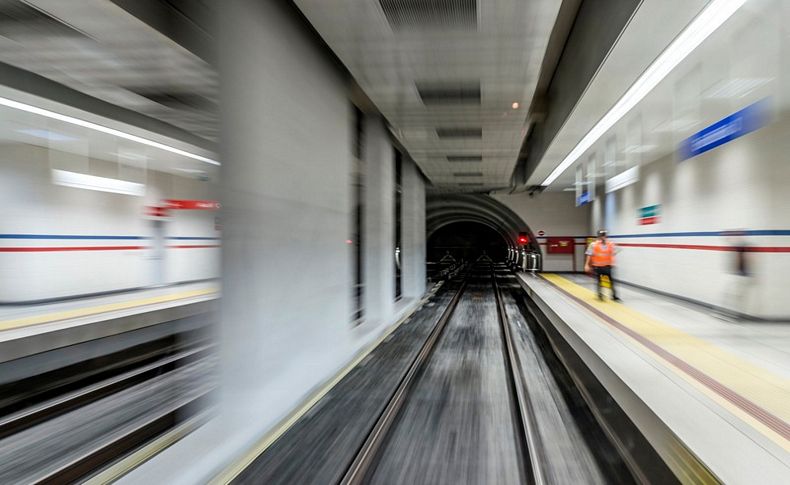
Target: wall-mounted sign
x,y
156,211
623,179
559,245
650,214
733,126
541,233
182,204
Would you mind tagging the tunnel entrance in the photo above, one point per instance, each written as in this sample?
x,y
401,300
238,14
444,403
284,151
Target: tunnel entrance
x,y
466,241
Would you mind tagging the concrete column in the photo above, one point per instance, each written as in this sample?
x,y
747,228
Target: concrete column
x,y
286,267
413,227
379,227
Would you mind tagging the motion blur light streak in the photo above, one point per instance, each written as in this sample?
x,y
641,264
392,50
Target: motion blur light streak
x,y
46,134
704,24
104,129
92,182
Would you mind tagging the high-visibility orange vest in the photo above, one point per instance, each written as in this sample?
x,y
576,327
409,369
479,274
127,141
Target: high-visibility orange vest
x,y
602,254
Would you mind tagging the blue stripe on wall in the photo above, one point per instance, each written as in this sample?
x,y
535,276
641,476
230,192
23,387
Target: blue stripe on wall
x,y
68,236
755,232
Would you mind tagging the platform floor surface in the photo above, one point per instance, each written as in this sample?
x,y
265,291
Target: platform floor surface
x,y
15,317
723,386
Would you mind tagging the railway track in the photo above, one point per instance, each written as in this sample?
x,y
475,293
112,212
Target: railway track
x,y
522,420
62,426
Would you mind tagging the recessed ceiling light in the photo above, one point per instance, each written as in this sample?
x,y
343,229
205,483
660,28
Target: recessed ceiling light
x,y
464,158
102,184
515,105
711,18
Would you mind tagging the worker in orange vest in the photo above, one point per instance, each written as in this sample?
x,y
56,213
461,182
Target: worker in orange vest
x,y
600,259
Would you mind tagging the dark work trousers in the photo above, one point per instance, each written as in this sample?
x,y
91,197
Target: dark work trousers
x,y
600,271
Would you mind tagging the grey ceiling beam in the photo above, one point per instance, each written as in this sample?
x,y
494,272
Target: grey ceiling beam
x,y
585,33
189,23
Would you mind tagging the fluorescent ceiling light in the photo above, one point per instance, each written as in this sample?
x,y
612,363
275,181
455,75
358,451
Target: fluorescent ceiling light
x,y
101,128
704,24
46,134
92,182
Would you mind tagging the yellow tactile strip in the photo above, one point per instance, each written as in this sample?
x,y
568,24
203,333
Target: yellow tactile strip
x,y
95,310
752,393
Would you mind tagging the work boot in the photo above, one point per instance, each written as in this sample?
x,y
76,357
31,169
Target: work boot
x,y
616,298
600,297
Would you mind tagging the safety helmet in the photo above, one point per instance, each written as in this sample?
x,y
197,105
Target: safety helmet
x,y
601,233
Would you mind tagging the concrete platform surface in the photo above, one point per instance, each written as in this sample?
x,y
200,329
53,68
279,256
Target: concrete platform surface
x,y
722,387
17,321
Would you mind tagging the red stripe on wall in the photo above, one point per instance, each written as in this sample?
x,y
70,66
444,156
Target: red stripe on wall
x,y
577,243
703,247
46,249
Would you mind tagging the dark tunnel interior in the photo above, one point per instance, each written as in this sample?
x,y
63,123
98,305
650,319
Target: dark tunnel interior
x,y
466,241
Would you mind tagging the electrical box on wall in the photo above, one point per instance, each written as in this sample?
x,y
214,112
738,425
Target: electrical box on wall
x,y
559,245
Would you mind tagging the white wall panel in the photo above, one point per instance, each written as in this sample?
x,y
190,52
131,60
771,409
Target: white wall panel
x,y
556,214
34,206
741,185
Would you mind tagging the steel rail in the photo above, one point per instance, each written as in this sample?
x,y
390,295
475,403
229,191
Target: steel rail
x,y
525,413
365,457
35,414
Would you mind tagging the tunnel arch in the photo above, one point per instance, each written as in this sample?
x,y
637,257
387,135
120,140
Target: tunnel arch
x,y
442,210
467,241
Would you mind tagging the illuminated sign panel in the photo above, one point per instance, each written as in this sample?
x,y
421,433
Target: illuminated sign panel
x,y
740,123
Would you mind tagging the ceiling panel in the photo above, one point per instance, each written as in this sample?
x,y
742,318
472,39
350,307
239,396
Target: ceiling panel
x,y
435,65
97,48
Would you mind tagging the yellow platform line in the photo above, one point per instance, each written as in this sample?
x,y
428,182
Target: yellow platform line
x,y
148,451
767,390
95,310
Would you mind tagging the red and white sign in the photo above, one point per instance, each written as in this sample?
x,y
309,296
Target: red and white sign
x,y
560,245
154,211
541,233
185,204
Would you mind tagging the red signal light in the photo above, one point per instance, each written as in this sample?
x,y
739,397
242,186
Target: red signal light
x,y
523,239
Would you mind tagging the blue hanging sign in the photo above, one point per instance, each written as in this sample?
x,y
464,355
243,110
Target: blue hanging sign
x,y
733,126
585,198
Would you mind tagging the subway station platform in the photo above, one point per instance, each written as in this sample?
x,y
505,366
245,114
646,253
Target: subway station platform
x,y
722,387
69,321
